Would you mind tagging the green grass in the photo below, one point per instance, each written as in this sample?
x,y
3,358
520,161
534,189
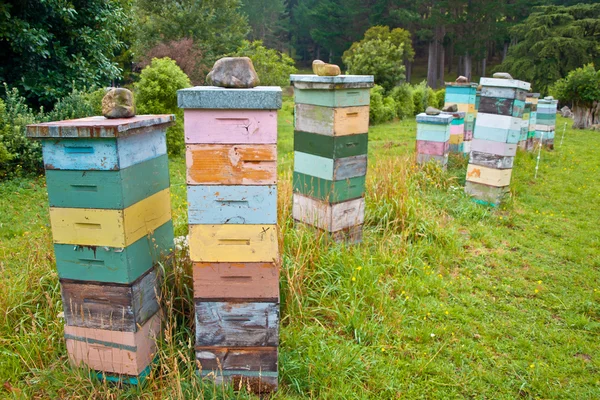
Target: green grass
x,y
443,299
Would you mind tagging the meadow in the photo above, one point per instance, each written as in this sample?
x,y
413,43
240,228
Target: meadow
x,y
443,299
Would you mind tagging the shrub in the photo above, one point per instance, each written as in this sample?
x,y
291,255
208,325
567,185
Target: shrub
x,y
18,154
420,97
441,97
78,104
185,53
156,93
581,87
273,67
403,96
382,108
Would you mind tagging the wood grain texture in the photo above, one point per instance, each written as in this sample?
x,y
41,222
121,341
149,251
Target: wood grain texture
x,y
233,243
433,148
488,176
487,194
331,121
112,228
103,154
111,306
217,164
114,264
491,160
327,168
115,352
333,98
107,189
220,281
237,324
326,216
425,158
503,92
235,204
230,126
331,191
502,106
493,147
331,147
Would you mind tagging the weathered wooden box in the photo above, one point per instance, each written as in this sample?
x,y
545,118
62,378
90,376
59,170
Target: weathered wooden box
x,y
209,126
328,190
328,168
332,91
330,146
115,352
327,216
331,121
488,176
111,306
114,264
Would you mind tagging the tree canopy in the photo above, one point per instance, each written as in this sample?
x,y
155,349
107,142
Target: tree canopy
x,y
552,41
581,88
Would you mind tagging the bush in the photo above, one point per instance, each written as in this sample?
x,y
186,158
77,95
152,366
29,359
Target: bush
x,y
185,53
403,96
273,67
382,108
78,104
441,97
18,154
156,93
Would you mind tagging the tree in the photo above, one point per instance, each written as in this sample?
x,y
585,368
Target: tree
x,y
269,22
581,87
216,26
273,67
552,41
48,48
377,56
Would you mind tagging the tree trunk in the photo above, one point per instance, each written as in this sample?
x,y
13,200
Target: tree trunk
x,y
408,66
431,64
450,57
505,51
467,66
441,66
330,57
483,66
583,117
459,65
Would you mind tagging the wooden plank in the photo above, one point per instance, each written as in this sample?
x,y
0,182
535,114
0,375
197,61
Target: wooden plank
x,y
333,98
220,281
502,106
235,204
455,98
425,158
115,352
488,176
222,164
331,191
326,216
233,243
252,368
491,160
103,154
107,189
331,121
497,134
505,83
487,194
498,121
115,265
433,148
466,89
503,92
237,324
492,147
327,168
331,147
433,133
457,129
230,126
113,307
456,139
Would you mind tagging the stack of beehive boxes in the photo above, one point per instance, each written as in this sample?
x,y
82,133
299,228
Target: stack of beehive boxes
x,y
532,98
525,126
546,122
110,211
497,132
464,96
457,132
231,155
433,138
331,128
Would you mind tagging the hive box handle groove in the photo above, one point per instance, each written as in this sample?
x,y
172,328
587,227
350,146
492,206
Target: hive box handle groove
x,y
79,149
233,202
85,188
88,225
235,242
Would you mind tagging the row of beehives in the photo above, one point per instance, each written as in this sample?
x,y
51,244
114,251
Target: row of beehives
x,y
505,116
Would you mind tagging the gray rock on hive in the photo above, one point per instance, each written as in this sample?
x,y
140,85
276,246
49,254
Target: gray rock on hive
x,y
233,72
118,103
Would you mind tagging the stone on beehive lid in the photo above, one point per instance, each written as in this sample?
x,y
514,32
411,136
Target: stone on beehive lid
x,y
323,69
462,79
118,103
432,111
233,72
450,108
502,75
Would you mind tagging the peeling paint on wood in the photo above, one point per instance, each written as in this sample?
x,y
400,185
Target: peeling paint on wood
x,y
329,146
326,216
230,126
488,176
331,191
327,168
243,280
331,121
